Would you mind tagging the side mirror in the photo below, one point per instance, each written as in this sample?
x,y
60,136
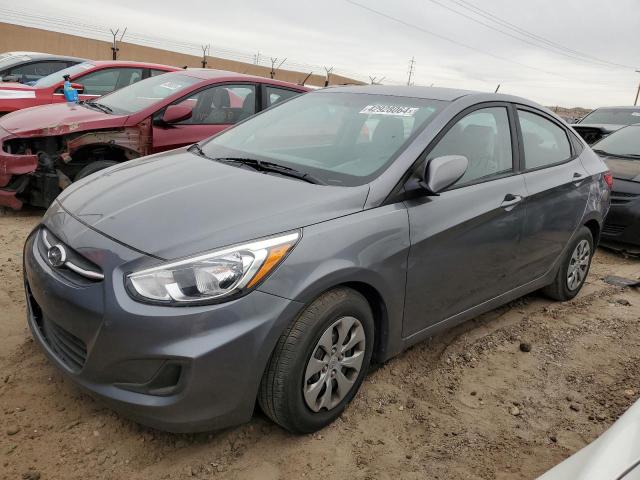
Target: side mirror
x,y
442,172
177,113
78,87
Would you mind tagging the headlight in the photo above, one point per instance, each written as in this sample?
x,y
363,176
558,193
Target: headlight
x,y
213,276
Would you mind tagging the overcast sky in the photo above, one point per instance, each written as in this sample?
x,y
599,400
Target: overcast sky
x,y
378,38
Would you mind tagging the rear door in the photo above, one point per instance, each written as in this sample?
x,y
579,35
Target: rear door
x,y
557,185
465,242
215,108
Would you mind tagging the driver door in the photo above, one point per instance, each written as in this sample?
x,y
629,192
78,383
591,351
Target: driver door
x,y
466,242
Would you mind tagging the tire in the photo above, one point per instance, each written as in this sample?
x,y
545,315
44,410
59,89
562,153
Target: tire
x,y
560,289
281,395
94,167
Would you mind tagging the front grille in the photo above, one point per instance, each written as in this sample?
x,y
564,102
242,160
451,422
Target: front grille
x,y
610,229
77,268
68,348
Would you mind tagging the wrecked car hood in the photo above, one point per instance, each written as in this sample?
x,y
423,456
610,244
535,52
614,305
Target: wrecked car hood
x,y
177,203
57,119
15,86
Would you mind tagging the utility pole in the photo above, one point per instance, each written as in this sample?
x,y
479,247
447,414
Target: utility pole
x,y
412,69
328,71
206,49
114,45
256,59
635,103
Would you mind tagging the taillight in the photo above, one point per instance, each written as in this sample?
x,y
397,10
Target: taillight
x,y
608,178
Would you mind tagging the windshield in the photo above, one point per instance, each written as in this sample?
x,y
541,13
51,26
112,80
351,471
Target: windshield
x,y
613,116
339,138
57,77
147,92
624,143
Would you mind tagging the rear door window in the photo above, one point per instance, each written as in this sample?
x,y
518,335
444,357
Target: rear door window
x,y
276,95
545,143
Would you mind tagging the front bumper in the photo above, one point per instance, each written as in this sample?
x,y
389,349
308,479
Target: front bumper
x,y
11,165
621,230
217,353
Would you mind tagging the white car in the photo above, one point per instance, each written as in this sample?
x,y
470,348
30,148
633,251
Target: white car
x,y
615,455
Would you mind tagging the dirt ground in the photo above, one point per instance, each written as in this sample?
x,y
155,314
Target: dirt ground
x,y
468,404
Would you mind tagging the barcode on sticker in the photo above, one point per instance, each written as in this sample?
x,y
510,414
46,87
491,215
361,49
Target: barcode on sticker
x,y
397,110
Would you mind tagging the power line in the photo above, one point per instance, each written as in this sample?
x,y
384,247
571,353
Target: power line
x,y
494,18
450,40
558,50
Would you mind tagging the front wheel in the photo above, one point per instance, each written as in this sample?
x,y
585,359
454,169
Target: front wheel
x,y
574,268
319,362
94,167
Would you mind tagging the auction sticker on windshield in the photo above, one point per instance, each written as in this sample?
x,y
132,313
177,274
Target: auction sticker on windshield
x,y
171,85
397,110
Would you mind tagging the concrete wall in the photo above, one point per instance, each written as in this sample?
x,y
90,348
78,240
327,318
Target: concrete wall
x,y
19,38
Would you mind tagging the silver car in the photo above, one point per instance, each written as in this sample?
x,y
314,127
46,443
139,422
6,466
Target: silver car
x,y
275,261
615,455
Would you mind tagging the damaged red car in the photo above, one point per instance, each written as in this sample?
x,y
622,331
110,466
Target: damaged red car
x,y
44,149
90,79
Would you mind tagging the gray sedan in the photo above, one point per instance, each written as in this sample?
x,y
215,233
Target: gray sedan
x,y
275,261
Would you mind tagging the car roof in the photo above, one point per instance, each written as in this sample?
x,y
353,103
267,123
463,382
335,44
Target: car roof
x,y
431,93
40,56
210,73
128,63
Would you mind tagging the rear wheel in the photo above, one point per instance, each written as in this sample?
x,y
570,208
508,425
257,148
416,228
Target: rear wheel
x,y
94,167
319,362
574,268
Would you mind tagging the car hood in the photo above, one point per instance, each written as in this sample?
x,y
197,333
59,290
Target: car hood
x,y
57,119
177,203
609,457
623,169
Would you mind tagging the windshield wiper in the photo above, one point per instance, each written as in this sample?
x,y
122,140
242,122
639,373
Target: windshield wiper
x,y
601,152
197,149
263,166
99,106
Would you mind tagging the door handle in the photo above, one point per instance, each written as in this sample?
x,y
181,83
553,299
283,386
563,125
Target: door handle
x,y
510,200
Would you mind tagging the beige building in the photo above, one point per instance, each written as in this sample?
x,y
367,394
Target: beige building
x,y
19,38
